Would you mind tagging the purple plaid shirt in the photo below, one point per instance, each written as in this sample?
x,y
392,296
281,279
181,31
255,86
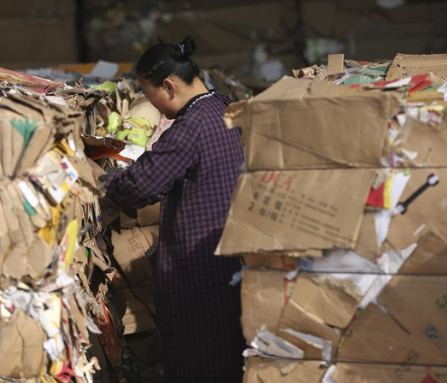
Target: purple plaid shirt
x,y
192,170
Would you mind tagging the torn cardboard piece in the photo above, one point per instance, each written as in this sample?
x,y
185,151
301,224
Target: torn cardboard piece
x,y
263,296
319,305
418,304
296,210
376,337
335,64
294,317
287,126
405,65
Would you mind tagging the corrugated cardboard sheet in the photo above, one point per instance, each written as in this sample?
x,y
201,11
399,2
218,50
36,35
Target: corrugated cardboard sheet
x,y
296,210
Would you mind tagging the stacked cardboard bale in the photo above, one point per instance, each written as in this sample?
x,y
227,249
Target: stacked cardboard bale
x,y
55,269
340,220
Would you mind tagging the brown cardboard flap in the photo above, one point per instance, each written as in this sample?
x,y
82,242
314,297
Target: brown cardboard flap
x,y
303,124
332,300
418,304
296,210
263,295
376,337
296,318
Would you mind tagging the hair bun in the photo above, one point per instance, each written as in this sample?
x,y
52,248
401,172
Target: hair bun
x,y
187,47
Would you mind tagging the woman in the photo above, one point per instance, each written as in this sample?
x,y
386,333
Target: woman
x,y
192,169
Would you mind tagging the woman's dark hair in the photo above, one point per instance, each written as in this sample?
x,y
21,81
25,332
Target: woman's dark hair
x,y
163,60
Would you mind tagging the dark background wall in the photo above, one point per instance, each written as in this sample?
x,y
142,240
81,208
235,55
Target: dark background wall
x,y
259,38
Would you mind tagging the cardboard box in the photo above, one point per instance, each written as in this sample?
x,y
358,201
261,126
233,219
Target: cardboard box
x,y
259,370
381,373
284,211
298,124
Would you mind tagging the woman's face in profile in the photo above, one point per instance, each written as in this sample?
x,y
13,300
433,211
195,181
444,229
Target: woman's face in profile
x,y
160,97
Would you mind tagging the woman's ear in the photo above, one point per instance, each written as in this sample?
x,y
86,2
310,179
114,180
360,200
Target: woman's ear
x,y
170,87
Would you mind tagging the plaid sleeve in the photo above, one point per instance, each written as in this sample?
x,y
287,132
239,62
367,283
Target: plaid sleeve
x,y
152,176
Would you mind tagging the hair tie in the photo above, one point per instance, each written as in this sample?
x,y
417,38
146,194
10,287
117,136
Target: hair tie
x,y
182,48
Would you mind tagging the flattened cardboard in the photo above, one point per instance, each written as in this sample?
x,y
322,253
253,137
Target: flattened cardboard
x,y
428,209
263,296
297,124
405,65
296,210
258,370
329,301
296,318
375,337
418,304
429,258
382,373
